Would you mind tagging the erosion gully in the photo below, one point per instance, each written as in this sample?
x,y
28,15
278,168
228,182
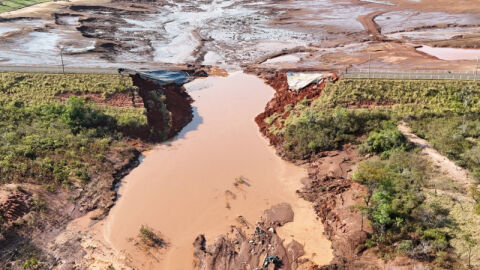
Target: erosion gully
x,y
185,187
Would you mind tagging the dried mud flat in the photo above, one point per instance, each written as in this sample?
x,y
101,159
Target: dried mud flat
x,y
328,34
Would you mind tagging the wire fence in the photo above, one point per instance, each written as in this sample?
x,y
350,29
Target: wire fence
x,y
58,69
412,74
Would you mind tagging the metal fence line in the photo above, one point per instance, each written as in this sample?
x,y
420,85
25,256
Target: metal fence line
x,y
58,69
410,74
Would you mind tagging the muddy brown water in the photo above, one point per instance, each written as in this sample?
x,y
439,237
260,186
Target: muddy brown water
x,y
182,187
451,53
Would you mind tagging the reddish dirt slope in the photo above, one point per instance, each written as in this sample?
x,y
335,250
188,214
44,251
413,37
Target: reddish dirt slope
x,y
283,97
178,103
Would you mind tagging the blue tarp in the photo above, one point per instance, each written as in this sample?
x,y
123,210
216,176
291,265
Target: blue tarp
x,y
164,77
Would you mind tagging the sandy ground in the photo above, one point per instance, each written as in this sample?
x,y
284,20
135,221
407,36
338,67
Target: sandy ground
x,y
447,167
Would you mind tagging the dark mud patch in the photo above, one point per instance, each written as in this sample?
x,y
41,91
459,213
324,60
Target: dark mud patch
x,y
14,205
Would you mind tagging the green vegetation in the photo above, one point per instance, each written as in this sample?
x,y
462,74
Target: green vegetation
x,y
402,98
413,210
454,136
149,238
47,141
9,5
39,88
31,263
338,116
385,140
397,209
314,131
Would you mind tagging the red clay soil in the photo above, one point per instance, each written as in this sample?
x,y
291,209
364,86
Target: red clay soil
x,y
14,205
334,194
335,197
283,97
116,100
178,103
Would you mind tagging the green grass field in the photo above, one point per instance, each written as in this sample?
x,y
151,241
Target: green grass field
x,y
45,140
9,5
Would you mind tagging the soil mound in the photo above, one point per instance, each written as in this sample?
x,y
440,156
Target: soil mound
x,y
263,249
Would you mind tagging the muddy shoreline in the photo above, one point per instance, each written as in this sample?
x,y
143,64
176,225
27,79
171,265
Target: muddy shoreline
x,y
98,196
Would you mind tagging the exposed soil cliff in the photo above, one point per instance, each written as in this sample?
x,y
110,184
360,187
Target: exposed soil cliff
x,y
334,196
168,107
32,216
283,97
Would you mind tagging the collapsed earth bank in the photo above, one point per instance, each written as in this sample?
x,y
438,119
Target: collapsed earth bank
x,y
329,186
32,216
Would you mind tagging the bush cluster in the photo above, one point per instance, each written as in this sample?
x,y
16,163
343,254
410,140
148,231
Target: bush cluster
x,y
315,131
395,205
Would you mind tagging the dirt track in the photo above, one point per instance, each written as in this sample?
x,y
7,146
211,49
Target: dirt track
x,y
447,167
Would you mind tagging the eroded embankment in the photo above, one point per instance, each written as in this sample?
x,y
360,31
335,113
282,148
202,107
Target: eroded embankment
x,y
335,196
232,177
32,215
168,107
284,97
329,185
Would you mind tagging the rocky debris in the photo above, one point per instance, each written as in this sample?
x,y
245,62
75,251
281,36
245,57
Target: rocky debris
x,y
263,249
14,205
278,215
334,196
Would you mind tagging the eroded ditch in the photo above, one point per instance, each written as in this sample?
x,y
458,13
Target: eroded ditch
x,y
219,172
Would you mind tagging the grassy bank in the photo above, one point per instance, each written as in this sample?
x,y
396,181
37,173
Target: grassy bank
x,y
406,216
49,141
9,5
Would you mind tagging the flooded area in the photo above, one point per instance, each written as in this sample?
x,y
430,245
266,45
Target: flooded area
x,y
189,186
397,21
451,53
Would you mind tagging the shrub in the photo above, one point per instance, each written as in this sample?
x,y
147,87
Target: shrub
x,y
385,140
149,238
79,115
312,132
31,263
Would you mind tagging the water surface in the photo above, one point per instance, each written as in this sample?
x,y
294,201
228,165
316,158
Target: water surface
x,y
186,187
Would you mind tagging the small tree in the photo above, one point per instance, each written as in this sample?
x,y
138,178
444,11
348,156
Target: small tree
x,y
470,243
